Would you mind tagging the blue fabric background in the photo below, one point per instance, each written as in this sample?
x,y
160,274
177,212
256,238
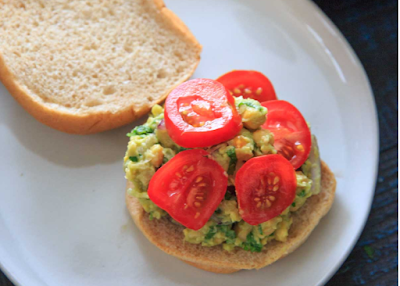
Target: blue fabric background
x,y
371,27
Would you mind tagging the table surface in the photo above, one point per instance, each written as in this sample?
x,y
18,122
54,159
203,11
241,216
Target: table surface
x,y
371,28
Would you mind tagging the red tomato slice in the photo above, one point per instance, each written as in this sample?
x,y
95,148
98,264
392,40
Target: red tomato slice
x,y
291,133
189,187
201,113
265,187
249,84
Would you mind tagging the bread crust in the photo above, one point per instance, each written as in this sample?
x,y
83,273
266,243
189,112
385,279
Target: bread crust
x,y
94,122
169,237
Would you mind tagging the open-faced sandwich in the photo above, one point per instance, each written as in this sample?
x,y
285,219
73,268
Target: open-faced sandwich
x,y
225,176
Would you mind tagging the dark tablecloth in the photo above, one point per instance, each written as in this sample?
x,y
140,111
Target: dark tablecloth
x,y
371,27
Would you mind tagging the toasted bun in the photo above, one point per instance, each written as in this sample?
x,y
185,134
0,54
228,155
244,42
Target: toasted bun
x,y
88,66
169,237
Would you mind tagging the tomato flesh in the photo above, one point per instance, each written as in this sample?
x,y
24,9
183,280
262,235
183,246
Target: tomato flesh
x,y
292,137
265,187
249,84
201,113
189,187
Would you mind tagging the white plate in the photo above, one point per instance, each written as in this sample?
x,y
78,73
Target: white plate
x,y
62,213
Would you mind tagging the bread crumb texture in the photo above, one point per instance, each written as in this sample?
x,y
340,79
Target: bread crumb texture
x,y
91,57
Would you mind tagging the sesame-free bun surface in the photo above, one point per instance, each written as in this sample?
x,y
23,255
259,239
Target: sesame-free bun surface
x,y
169,236
88,66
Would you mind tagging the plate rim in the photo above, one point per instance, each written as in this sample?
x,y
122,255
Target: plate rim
x,y
375,120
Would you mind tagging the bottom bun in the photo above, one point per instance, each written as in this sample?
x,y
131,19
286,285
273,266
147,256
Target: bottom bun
x,y
169,236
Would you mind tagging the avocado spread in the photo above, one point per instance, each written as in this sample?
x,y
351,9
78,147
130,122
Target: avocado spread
x,y
150,147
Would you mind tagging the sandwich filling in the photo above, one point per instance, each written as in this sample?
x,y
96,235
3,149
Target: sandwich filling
x,y
150,147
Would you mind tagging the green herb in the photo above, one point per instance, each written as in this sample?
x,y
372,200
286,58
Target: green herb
x,y
213,230
231,153
140,130
272,234
293,204
249,104
222,228
182,149
232,163
230,236
260,229
225,229
229,233
370,251
218,211
134,159
151,216
228,195
251,244
302,194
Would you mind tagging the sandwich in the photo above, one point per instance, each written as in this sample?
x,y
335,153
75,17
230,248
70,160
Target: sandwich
x,y
225,176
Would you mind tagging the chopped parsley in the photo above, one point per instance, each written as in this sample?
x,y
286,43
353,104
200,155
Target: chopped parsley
x,y
222,228
249,104
213,230
260,229
228,195
302,194
151,216
251,244
182,149
140,130
232,163
225,229
252,105
293,204
229,233
134,159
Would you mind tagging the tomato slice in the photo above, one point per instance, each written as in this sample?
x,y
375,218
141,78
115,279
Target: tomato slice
x,y
201,113
292,136
249,84
265,187
189,187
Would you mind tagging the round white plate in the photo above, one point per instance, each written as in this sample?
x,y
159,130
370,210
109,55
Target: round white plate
x,y
62,211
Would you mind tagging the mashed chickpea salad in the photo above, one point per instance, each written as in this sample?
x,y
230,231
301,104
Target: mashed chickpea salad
x,y
226,160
